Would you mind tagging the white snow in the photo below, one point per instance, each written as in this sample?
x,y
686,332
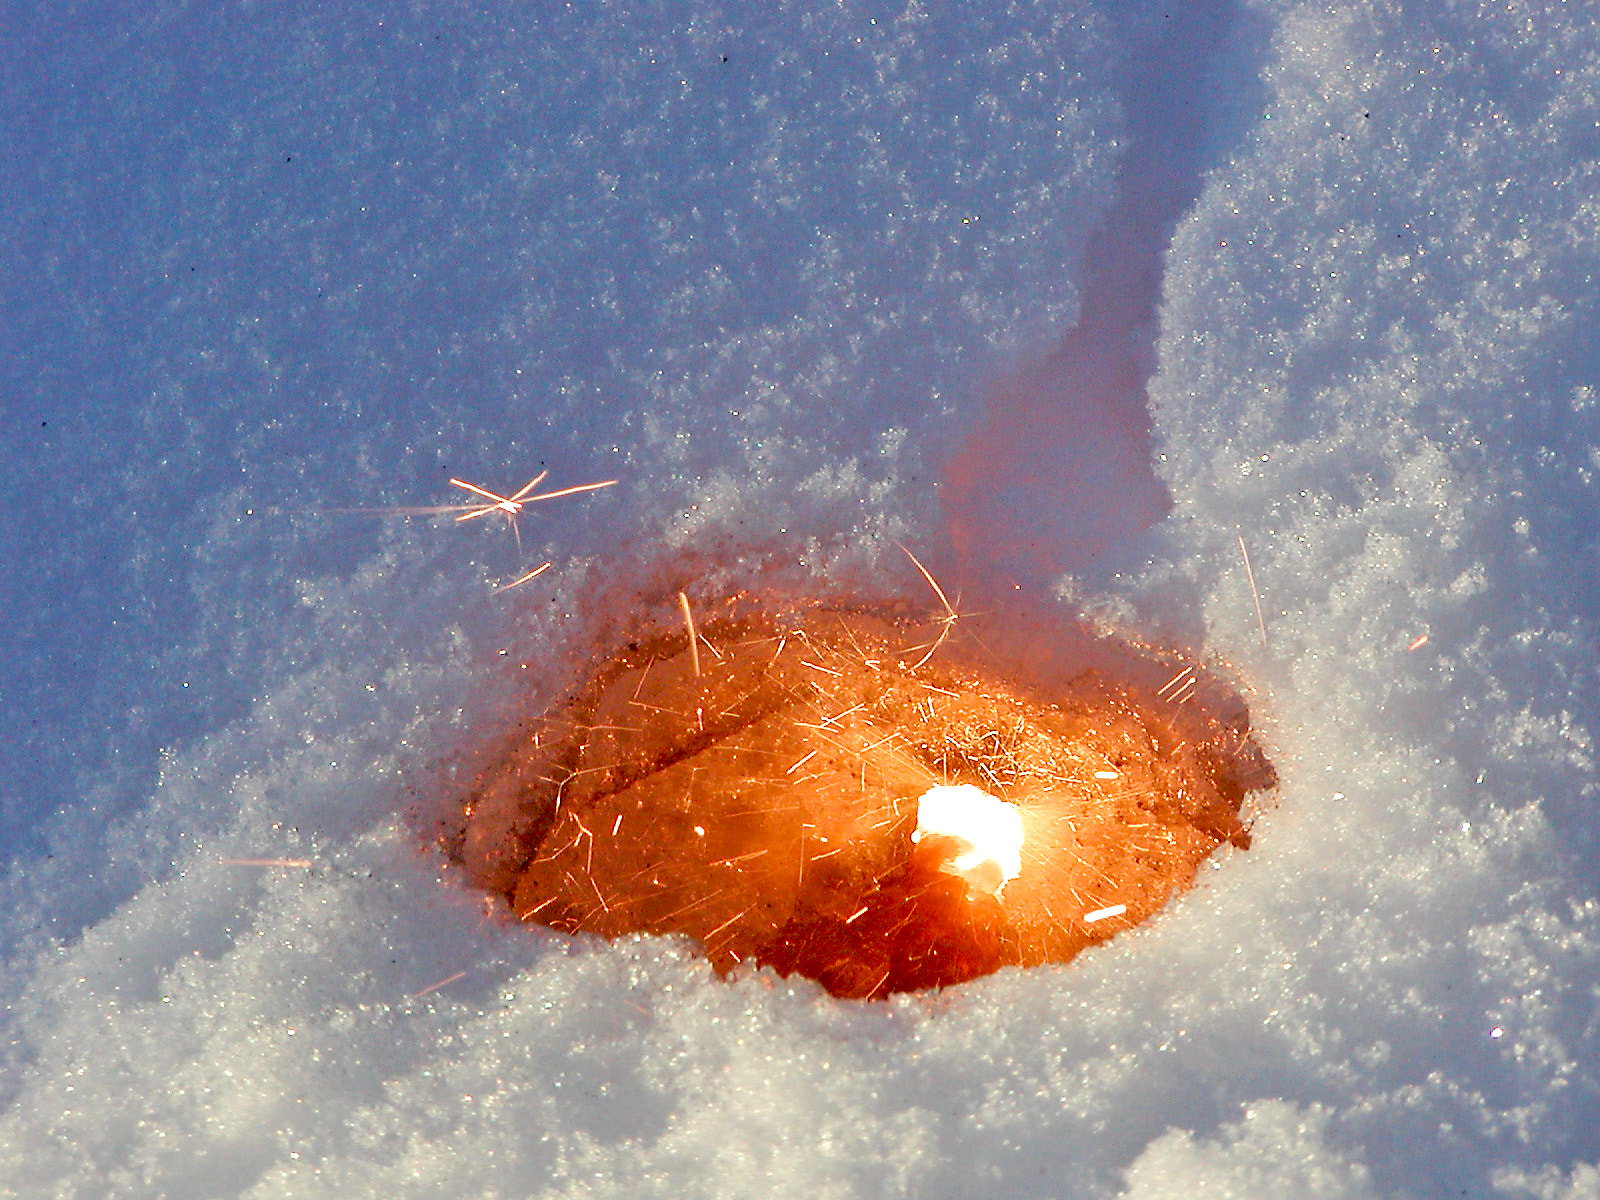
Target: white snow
x,y
765,269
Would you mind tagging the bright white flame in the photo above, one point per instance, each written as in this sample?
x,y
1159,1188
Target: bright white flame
x,y
988,829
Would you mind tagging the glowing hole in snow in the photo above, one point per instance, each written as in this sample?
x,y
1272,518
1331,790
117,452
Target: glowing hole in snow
x,y
810,789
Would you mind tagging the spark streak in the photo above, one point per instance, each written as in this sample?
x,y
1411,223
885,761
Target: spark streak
x,y
434,987
1101,914
265,862
948,620
694,641
1249,574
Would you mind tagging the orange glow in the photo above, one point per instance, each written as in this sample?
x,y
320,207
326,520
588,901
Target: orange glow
x,y
804,787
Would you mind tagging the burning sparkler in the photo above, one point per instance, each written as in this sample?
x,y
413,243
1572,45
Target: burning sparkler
x,y
983,834
490,503
814,798
511,506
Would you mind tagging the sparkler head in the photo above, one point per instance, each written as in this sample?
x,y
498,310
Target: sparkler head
x,y
804,787
978,837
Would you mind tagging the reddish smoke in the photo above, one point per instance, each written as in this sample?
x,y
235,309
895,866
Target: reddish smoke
x,y
1057,472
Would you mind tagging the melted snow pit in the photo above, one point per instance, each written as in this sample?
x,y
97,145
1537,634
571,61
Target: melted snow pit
x,y
817,792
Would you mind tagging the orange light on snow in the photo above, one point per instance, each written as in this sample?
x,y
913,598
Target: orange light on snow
x,y
804,786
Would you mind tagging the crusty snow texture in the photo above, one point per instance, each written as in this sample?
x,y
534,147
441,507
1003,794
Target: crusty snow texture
x,y
760,267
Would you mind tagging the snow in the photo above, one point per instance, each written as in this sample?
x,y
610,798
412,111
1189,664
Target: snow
x,y
774,272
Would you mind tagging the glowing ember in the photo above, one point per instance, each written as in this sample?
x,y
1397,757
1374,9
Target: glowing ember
x,y
808,789
984,833
1102,914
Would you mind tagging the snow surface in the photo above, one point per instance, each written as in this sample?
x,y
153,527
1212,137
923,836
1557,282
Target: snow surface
x,y
773,271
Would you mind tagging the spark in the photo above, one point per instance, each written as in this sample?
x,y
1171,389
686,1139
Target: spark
x,y
837,717
724,925
595,883
490,502
694,641
585,832
1176,682
1421,641
697,904
265,862
802,762
434,987
948,621
537,908
521,579
1254,594
1185,690
737,859
1100,914
511,506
